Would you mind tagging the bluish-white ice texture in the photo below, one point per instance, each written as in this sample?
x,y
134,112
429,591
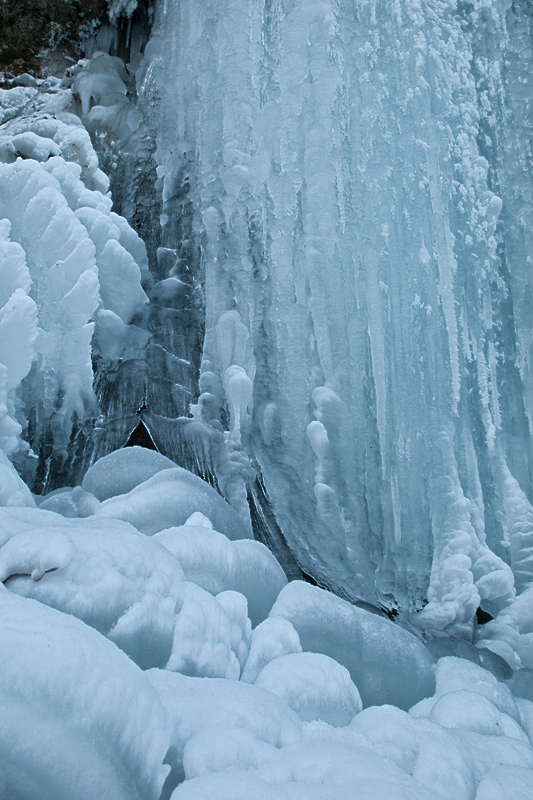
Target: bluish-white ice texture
x,y
359,198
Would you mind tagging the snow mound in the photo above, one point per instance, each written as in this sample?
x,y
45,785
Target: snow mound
x,y
12,101
69,502
96,575
314,686
217,710
386,663
505,782
292,726
215,563
127,586
271,639
455,675
78,717
168,499
319,768
123,470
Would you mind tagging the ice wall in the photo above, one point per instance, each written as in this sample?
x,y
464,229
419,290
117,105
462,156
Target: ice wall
x,y
358,178
70,286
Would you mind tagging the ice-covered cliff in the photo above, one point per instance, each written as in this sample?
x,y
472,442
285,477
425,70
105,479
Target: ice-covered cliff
x,y
359,181
286,243
336,199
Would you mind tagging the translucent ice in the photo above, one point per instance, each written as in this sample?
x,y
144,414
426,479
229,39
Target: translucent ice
x,y
78,717
359,184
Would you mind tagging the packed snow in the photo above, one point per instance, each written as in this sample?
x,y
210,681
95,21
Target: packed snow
x,y
178,665
65,258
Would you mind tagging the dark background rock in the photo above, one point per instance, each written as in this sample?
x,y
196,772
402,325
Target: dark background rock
x,y
43,36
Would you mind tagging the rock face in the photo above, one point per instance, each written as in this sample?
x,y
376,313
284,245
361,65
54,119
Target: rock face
x,y
41,35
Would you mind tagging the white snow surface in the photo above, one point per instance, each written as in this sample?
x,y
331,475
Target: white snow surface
x,y
168,499
216,564
221,710
123,470
314,686
360,187
78,717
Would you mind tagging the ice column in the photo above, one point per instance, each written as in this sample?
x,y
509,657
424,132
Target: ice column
x,y
359,187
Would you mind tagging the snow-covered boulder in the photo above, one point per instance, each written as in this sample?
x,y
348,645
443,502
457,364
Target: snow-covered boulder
x,y
79,718
386,663
168,499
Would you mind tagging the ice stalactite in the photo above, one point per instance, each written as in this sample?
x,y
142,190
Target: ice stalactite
x,y
352,181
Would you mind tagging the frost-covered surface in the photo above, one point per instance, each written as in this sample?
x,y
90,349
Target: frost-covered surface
x,y
168,499
126,673
363,642
67,263
361,181
353,181
119,7
123,470
78,717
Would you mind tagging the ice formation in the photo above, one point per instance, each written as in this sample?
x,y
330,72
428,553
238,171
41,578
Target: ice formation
x,y
325,329
362,642
216,564
123,470
299,705
363,222
168,499
77,715
66,259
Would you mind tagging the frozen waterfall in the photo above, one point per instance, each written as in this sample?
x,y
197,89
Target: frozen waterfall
x,y
327,314
359,181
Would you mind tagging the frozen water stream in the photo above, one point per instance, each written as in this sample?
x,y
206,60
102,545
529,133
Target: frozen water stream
x,y
354,190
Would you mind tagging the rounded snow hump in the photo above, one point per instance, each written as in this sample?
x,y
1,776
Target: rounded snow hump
x,y
150,492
